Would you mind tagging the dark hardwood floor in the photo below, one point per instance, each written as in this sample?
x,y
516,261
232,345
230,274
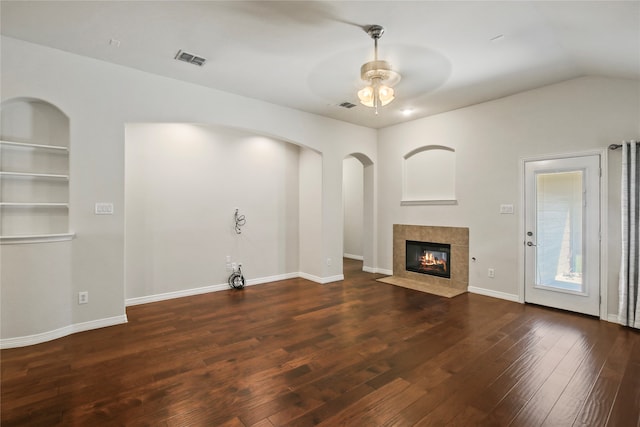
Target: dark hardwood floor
x,y
355,353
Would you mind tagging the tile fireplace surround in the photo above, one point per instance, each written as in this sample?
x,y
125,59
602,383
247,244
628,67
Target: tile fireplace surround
x,y
457,237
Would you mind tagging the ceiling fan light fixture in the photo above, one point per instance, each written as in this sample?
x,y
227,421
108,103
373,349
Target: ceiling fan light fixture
x,y
376,95
379,75
366,96
386,94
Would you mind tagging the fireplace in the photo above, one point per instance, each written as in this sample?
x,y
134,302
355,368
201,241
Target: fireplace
x,y
428,258
455,262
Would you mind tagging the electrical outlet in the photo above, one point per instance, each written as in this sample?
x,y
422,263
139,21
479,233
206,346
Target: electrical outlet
x,y
83,297
234,265
228,259
328,261
491,273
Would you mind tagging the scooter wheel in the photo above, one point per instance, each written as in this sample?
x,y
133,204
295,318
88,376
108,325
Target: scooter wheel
x,y
236,281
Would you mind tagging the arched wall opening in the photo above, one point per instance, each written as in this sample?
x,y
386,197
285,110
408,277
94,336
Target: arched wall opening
x,y
358,209
183,183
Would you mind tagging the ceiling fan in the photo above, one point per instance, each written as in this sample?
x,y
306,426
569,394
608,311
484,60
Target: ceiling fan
x,y
380,76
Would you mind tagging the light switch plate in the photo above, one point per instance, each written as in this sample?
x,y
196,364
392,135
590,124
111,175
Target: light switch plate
x,y
104,209
506,209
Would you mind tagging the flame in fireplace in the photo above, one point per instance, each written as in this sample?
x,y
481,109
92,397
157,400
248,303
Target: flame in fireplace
x,y
429,260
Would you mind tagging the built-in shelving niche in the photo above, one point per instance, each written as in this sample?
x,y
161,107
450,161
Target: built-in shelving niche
x,y
429,176
34,172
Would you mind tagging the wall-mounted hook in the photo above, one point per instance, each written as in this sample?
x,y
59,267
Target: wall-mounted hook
x,y
240,221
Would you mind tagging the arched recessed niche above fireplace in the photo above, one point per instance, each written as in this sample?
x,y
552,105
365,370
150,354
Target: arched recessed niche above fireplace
x,y
429,176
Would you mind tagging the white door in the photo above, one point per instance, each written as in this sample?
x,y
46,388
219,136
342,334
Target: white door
x,y
562,233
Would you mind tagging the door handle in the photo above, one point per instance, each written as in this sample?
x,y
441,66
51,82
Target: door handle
x,y
530,244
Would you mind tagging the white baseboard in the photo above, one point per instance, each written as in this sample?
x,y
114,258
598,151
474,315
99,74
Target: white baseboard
x,y
613,318
330,279
369,269
383,271
175,294
61,332
203,290
321,280
492,293
356,257
270,279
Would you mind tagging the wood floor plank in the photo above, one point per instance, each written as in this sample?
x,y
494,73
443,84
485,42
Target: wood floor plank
x,y
627,404
536,409
569,403
529,382
472,379
451,407
598,405
355,352
376,407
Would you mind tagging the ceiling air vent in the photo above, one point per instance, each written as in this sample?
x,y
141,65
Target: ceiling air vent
x,y
190,58
347,105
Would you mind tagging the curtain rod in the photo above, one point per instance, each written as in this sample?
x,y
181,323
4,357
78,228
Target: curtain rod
x,y
616,146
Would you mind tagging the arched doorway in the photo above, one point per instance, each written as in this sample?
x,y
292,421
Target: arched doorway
x,y
358,210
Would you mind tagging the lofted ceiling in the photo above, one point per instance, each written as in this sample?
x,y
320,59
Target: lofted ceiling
x,y
307,54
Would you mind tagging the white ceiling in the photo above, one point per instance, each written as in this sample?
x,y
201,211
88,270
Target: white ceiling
x,y
307,54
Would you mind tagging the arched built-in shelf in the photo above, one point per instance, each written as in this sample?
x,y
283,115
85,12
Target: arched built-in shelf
x,y
429,174
34,172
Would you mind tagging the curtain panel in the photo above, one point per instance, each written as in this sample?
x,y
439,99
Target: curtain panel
x,y
629,307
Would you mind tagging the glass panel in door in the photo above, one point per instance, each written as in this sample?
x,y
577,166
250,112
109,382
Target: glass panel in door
x,y
559,225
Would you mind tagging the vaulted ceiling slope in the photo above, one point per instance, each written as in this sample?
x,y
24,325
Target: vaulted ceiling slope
x,y
307,54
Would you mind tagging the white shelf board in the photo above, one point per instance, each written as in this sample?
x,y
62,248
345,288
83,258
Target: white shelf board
x,y
428,202
38,146
34,204
36,238
34,175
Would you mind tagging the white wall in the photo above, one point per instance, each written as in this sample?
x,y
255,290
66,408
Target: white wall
x,y
99,99
311,232
353,205
182,185
490,141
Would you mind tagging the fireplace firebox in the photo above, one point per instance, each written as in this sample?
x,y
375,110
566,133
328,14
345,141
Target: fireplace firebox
x,y
428,258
